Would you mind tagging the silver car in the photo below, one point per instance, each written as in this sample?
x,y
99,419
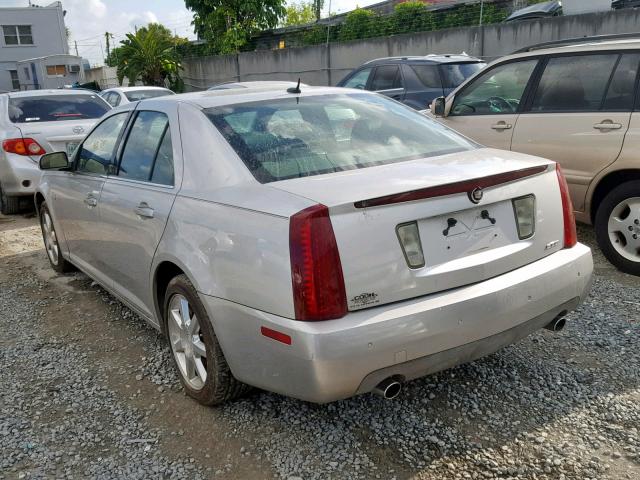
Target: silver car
x,y
278,245
36,122
121,95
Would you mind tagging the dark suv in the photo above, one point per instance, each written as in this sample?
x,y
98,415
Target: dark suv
x,y
415,81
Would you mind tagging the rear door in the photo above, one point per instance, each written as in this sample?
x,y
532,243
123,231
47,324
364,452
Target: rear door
x,y
423,84
579,115
388,80
487,108
76,196
136,201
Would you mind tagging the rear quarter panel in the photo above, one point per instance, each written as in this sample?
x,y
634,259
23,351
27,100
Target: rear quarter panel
x,y
231,252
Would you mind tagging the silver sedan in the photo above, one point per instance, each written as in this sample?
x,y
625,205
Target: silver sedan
x,y
316,242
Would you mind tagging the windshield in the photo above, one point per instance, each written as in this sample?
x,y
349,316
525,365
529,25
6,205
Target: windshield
x,y
136,95
52,108
304,136
453,74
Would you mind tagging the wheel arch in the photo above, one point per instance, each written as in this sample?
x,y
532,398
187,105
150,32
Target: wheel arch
x,y
38,200
608,183
164,272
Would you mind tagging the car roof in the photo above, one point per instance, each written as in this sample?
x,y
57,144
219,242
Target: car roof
x,y
578,45
255,84
133,89
39,93
265,91
431,58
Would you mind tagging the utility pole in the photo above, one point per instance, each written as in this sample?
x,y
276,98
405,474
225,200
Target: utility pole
x,y
106,37
329,23
76,45
481,10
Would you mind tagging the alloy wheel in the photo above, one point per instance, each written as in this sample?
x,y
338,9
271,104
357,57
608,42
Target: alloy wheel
x,y
186,341
624,228
50,238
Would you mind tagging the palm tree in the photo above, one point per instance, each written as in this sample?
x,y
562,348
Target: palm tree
x,y
149,55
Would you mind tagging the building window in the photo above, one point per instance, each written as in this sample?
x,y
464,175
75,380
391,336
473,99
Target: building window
x,y
15,83
17,34
54,70
27,74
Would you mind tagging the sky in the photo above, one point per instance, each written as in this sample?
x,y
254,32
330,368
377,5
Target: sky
x,y
88,20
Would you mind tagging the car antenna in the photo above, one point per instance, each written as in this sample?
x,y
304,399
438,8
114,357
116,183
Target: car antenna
x,y
295,89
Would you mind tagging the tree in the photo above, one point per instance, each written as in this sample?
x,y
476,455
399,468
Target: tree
x,y
227,25
317,8
412,16
298,14
359,23
150,55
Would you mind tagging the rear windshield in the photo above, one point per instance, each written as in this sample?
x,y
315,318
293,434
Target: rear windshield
x,y
51,108
304,136
453,74
136,95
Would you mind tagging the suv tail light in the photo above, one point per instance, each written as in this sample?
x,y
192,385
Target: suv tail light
x,y
570,234
22,146
316,270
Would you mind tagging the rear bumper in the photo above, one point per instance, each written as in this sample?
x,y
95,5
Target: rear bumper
x,y
336,359
19,175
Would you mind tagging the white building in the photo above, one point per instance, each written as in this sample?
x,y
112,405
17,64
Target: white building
x,y
32,33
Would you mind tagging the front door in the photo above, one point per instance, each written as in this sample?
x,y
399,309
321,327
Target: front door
x,y
579,115
77,195
135,204
486,109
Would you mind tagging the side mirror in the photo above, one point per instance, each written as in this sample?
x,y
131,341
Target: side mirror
x,y
438,107
54,161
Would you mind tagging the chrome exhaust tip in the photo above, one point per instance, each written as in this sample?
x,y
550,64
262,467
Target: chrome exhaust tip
x,y
558,323
389,388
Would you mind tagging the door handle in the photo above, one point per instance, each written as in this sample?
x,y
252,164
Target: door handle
x,y
607,125
91,201
144,210
501,126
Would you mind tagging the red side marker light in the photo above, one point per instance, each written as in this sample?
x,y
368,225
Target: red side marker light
x,y
275,335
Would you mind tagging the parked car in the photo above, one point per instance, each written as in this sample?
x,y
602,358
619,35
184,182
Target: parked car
x,y
276,250
537,11
574,102
121,95
36,122
414,81
617,4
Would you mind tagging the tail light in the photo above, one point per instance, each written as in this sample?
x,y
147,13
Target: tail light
x,y
570,234
22,146
316,270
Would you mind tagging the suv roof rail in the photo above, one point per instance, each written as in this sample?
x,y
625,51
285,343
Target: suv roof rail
x,y
571,41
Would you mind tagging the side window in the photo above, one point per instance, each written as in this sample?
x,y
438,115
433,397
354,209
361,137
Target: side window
x,y
497,91
574,83
96,153
386,77
162,172
115,99
142,145
428,75
623,83
359,80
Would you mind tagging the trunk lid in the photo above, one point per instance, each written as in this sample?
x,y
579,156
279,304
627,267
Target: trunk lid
x,y
483,242
58,136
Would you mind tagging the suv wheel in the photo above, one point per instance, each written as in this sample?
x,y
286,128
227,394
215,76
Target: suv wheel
x,y
617,226
196,353
58,263
8,205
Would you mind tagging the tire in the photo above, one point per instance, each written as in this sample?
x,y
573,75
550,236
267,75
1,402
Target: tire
x,y
9,205
50,238
617,222
219,385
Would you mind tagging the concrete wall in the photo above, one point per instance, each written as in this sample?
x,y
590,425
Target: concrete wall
x,y
319,65
105,76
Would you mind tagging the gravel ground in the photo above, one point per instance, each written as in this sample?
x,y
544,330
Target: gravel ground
x,y
87,390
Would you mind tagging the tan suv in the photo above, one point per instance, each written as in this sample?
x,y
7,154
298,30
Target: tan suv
x,y
575,102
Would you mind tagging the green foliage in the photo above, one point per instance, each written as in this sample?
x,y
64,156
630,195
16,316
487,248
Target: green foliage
x,y
227,25
317,8
150,55
298,14
359,23
411,17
